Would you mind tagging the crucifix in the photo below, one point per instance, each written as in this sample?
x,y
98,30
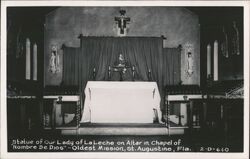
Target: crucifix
x,y
122,22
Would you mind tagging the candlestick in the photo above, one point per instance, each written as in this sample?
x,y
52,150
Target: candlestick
x,y
35,62
27,68
109,73
133,72
216,60
208,60
94,74
149,75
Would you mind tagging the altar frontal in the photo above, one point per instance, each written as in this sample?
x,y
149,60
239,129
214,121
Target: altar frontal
x,y
121,102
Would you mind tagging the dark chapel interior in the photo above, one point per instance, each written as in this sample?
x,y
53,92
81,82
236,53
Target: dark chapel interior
x,y
61,60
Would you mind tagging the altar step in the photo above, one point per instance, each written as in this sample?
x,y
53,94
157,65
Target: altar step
x,y
122,129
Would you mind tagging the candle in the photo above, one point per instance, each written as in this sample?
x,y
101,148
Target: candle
x,y
216,60
208,60
27,68
35,62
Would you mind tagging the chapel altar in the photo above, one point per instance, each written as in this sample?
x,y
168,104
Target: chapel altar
x,y
120,81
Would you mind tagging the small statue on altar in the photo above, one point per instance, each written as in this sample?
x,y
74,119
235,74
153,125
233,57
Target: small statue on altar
x,y
121,66
121,61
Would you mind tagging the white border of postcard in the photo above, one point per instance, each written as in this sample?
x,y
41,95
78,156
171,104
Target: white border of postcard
x,y
196,155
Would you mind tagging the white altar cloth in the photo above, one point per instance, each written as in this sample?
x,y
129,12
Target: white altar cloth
x,y
121,102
